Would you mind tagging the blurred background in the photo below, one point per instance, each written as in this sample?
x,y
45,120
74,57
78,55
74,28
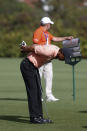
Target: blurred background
x,y
20,18
18,21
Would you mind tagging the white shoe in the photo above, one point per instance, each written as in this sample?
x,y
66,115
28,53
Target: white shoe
x,y
52,98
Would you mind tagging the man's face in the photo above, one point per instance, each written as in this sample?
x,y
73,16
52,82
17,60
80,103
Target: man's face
x,y
48,26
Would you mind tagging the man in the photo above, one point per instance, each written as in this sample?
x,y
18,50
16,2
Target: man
x,y
37,56
43,37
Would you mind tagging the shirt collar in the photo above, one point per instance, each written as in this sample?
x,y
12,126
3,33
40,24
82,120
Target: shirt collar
x,y
42,28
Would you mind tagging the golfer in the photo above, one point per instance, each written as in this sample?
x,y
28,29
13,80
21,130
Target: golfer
x,y
38,55
41,36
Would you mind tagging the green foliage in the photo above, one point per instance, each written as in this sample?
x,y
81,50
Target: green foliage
x,y
71,19
18,22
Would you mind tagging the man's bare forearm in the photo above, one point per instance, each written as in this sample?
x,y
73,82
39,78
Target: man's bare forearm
x,y
58,39
28,48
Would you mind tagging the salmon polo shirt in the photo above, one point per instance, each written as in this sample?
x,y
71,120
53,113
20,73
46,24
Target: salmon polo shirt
x,y
40,36
42,54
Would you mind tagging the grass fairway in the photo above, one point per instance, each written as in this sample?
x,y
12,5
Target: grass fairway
x,y
66,114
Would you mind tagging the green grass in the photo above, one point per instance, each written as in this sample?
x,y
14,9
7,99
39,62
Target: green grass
x,y
66,114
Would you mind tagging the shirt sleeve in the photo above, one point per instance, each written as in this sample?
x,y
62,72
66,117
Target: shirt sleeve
x,y
51,36
36,37
46,50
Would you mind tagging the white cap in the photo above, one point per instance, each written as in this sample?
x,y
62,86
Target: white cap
x,y
46,20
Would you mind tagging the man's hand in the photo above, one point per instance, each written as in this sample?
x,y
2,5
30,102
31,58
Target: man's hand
x,y
69,37
27,48
23,49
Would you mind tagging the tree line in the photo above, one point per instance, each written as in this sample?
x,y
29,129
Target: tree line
x,y
18,22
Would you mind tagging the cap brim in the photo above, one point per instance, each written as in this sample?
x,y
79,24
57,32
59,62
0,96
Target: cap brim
x,y
52,22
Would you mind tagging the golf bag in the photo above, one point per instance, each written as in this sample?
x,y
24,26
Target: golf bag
x,y
71,51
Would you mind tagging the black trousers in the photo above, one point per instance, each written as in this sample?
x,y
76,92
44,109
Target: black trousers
x,y
33,87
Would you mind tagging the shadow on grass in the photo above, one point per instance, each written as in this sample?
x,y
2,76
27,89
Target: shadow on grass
x,y
84,126
82,111
13,99
20,119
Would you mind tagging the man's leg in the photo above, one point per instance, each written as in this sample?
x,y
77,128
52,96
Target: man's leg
x,y
33,89
41,74
41,71
48,76
33,86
